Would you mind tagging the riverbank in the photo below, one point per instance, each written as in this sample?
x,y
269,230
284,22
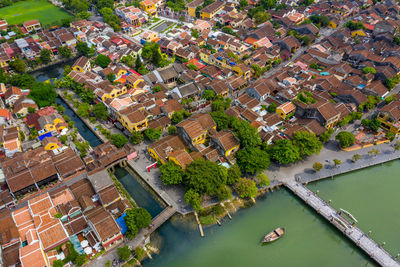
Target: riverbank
x,y
54,62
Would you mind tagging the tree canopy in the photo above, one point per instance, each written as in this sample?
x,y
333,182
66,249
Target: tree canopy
x,y
171,173
246,188
285,152
153,134
252,160
308,143
193,199
102,60
136,219
205,176
43,94
100,111
124,253
18,65
234,173
136,137
345,139
247,134
119,140
83,110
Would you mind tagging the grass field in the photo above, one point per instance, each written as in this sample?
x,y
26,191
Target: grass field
x,y
41,10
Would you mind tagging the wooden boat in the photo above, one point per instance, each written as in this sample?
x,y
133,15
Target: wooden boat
x,y
274,235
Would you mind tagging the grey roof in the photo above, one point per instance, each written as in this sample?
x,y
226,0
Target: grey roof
x,y
100,180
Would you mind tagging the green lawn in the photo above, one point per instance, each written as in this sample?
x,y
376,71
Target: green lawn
x,y
41,10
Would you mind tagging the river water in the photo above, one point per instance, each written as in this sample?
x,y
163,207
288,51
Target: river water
x,y
371,195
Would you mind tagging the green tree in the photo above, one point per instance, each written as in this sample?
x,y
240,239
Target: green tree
x,y
234,173
246,188
65,51
373,124
193,199
83,49
130,222
58,263
18,65
107,264
356,157
247,135
67,70
221,119
171,173
171,129
252,160
285,152
80,260
139,253
43,94
337,162
194,33
84,15
345,139
208,94
157,89
390,136
367,70
100,111
243,4
83,110
152,134
119,140
136,137
45,55
124,253
224,192
271,108
205,176
63,139
325,136
102,61
308,143
262,180
261,17
31,110
142,217
317,166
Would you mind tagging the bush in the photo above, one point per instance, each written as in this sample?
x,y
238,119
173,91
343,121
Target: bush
x,y
345,139
124,253
317,166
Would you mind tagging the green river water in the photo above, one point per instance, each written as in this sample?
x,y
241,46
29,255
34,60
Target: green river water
x,y
371,195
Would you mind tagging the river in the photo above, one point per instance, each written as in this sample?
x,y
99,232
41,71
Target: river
x,y
370,195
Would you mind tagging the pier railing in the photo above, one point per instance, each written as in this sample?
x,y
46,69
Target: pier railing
x,y
367,244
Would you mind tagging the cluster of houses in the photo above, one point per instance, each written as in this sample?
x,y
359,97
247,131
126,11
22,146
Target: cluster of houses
x,y
63,200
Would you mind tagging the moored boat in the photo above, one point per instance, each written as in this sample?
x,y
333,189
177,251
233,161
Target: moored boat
x,y
274,235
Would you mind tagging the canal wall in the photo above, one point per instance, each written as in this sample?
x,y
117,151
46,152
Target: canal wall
x,y
146,178
84,120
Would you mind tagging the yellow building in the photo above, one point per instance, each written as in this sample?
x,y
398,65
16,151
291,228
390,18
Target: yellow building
x,y
191,7
286,110
242,70
149,7
195,129
358,33
210,11
111,92
133,118
82,64
51,123
389,117
204,55
161,149
226,143
51,143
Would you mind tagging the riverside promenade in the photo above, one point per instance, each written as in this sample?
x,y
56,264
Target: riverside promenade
x,y
363,241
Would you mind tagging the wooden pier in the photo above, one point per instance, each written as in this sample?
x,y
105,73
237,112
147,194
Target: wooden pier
x,y
362,240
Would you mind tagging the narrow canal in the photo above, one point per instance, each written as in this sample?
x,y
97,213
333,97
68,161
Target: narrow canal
x,y
141,196
84,130
371,195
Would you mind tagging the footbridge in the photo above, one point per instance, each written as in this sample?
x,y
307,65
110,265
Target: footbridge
x,y
345,225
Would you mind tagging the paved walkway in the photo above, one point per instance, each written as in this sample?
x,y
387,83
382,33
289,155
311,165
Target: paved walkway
x,y
355,234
